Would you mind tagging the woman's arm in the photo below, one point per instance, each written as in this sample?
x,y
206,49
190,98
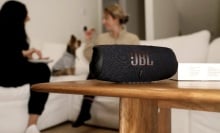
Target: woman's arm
x,y
89,37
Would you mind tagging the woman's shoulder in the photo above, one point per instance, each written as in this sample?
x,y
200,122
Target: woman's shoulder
x,y
101,38
132,37
103,35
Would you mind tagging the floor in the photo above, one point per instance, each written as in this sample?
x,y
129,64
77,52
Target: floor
x,y
67,128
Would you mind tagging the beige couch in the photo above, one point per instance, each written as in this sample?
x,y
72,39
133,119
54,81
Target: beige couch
x,y
193,48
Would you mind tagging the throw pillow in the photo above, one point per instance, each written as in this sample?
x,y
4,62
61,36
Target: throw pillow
x,y
191,48
214,51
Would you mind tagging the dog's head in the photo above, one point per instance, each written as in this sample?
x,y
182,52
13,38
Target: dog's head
x,y
73,45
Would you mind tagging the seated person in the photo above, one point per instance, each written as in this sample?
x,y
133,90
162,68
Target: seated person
x,y
113,19
15,68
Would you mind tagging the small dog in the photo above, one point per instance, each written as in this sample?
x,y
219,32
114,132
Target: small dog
x,y
66,64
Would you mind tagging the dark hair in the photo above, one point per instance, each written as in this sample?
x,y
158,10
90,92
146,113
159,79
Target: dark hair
x,y
124,20
12,24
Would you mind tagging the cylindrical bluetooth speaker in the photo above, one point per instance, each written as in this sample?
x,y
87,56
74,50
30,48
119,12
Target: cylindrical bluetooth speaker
x,y
132,63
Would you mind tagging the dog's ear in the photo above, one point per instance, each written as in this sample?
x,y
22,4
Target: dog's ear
x,y
73,38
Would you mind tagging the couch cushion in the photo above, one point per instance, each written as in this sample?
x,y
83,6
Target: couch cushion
x,y
105,112
204,122
214,51
13,104
188,48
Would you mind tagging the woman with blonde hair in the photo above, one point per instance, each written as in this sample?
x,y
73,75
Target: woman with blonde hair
x,y
114,19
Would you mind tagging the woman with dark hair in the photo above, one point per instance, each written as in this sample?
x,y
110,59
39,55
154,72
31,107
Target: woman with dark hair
x,y
114,19
15,68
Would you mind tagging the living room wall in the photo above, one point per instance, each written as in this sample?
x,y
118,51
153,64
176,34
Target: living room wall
x,y
56,20
162,19
199,14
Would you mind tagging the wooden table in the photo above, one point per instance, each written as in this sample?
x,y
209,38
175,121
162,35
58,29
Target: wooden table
x,y
145,108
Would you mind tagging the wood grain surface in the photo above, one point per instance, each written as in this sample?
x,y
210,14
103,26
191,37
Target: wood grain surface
x,y
203,91
146,107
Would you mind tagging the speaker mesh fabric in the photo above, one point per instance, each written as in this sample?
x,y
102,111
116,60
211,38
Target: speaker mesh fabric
x,y
132,63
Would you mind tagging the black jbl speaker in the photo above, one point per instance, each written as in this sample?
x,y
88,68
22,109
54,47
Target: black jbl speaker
x,y
132,63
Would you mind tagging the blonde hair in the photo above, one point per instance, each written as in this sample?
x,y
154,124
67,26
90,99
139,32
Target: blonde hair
x,y
116,11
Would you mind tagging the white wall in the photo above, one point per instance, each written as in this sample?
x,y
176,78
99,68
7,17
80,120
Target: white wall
x,y
166,19
56,20
199,14
136,23
162,19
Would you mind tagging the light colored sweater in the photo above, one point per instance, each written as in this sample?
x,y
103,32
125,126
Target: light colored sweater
x,y
106,39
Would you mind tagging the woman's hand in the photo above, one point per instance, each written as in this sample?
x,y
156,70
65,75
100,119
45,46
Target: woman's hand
x,y
89,35
29,53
